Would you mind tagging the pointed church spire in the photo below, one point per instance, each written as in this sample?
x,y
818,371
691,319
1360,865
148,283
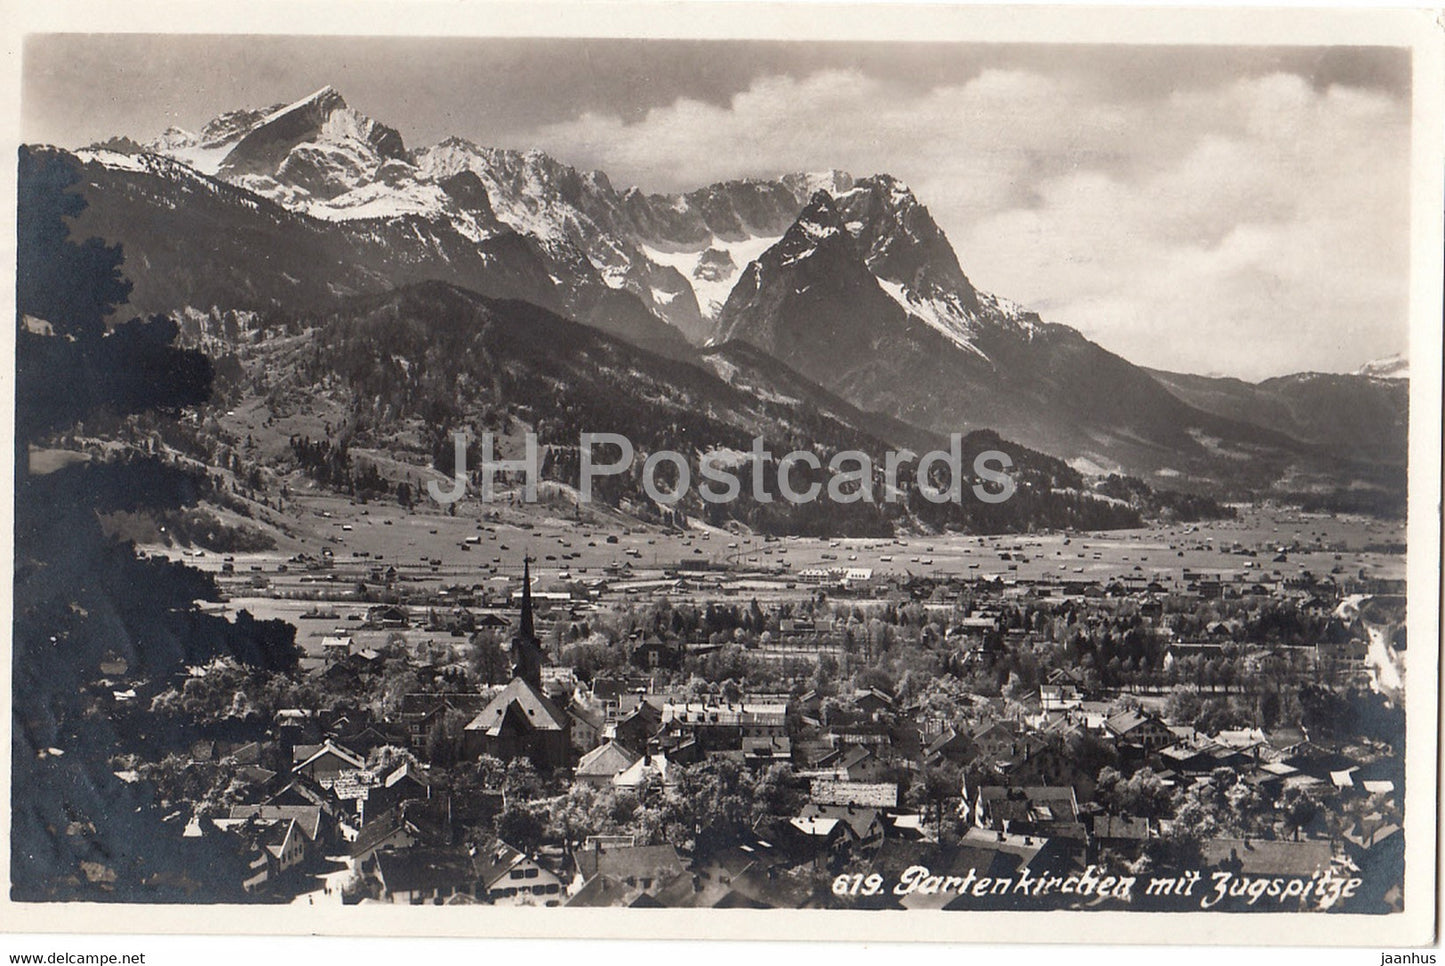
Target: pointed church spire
x,y
527,629
526,649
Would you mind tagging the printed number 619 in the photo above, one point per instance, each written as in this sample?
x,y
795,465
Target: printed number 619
x,y
857,885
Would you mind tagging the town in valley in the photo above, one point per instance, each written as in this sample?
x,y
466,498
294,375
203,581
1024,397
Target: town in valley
x,y
512,707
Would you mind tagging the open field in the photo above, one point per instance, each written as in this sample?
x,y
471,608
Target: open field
x,y
430,549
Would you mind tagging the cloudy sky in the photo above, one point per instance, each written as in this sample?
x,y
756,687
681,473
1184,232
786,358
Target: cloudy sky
x,y
1223,210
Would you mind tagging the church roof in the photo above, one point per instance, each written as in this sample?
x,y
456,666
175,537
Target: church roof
x,y
530,705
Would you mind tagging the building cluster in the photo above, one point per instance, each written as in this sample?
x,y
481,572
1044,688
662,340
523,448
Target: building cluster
x,y
349,787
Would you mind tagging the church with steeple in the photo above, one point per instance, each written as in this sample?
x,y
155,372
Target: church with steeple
x,y
526,649
521,721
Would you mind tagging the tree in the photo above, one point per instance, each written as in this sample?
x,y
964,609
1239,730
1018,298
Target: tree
x,y
712,808
521,827
488,660
74,287
520,782
76,594
934,787
444,741
1298,808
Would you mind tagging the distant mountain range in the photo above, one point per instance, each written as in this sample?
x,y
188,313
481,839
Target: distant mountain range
x,y
848,283
403,368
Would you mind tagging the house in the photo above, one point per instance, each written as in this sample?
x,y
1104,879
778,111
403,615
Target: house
x,y
951,746
1042,810
325,762
603,891
508,876
762,752
654,653
1059,697
1267,858
416,876
652,766
297,725
870,795
872,701
645,867
638,725
336,647
1143,730
601,765
996,739
388,615
1200,759
403,827
300,790
1250,741
421,712
804,839
1036,760
588,723
856,763
858,826
1120,832
310,819
370,737
276,839
723,726
404,783
757,887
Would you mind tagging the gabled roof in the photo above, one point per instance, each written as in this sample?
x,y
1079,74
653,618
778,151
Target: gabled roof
x,y
328,747
491,866
1003,728
306,817
1267,857
653,765
1367,835
855,755
423,869
421,820
406,770
602,891
858,819
588,716
822,827
869,795
776,747
308,791
1120,827
1125,722
1241,737
756,887
1031,803
531,704
606,761
657,862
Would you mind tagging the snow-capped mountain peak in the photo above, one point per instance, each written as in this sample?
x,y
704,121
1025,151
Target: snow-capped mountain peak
x,y
681,254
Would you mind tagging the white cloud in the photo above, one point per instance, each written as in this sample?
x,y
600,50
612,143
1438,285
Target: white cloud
x,y
1253,228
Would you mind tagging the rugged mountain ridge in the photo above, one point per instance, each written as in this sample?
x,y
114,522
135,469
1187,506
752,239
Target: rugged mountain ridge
x,y
400,370
1359,415
848,281
864,294
320,157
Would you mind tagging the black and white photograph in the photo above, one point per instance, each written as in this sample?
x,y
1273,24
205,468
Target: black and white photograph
x,y
584,477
